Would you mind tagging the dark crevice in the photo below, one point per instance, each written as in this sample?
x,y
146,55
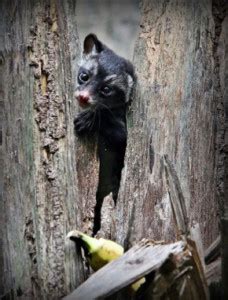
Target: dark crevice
x,y
111,164
151,155
108,131
219,12
128,241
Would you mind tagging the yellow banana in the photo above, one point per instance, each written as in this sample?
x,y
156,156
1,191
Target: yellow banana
x,y
136,285
98,251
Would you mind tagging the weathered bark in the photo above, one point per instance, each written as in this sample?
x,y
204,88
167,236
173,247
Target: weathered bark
x,y
177,114
40,201
223,59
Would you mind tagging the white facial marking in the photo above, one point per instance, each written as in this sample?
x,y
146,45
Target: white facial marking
x,y
90,64
110,77
130,81
130,85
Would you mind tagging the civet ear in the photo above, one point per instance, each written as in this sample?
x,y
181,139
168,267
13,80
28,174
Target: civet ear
x,y
92,45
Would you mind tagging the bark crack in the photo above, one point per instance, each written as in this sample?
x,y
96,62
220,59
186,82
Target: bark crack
x,y
219,13
111,164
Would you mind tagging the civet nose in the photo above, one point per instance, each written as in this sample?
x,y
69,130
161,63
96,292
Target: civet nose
x,y
83,98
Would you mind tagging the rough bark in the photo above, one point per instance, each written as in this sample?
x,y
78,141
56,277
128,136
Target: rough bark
x,y
40,201
177,114
223,55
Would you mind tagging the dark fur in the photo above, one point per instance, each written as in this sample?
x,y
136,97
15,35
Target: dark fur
x,y
107,116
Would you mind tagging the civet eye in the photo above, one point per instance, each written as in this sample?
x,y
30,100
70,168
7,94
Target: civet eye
x,y
83,77
106,90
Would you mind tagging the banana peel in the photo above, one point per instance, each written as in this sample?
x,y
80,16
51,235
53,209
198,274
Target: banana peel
x,y
101,251
137,284
98,252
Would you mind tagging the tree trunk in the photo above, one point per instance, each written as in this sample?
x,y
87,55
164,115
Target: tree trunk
x,y
175,147
177,118
40,201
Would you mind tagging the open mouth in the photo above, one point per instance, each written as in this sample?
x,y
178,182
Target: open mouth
x,y
84,104
83,99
